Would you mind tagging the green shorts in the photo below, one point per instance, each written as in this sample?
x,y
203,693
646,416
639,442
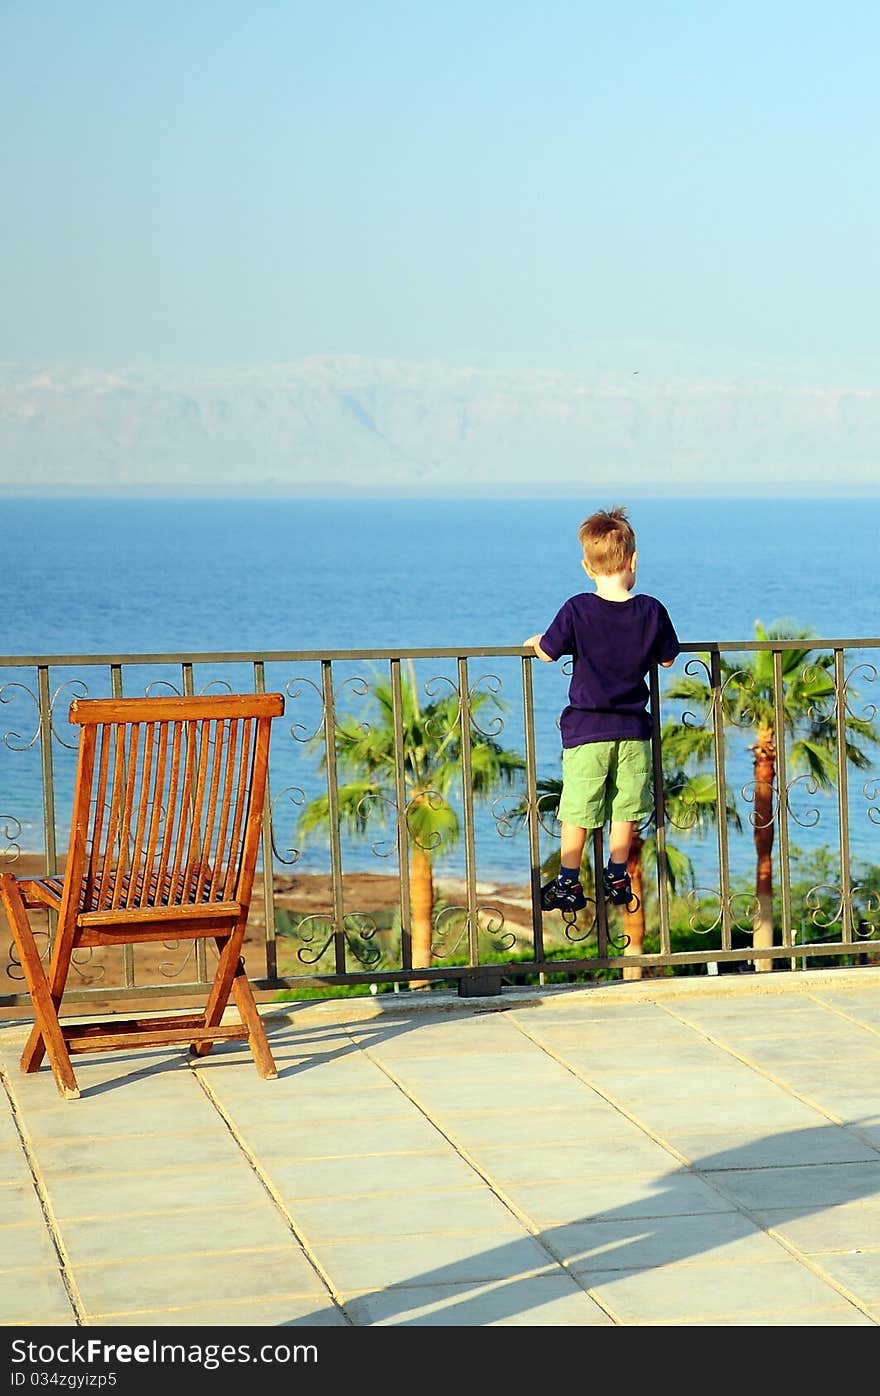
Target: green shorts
x,y
602,781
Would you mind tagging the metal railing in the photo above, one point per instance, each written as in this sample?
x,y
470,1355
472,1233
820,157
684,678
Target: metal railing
x,y
442,774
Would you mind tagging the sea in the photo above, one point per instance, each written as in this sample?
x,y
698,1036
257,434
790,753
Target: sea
x,y
89,576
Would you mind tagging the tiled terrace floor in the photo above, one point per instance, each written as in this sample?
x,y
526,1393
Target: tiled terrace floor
x,y
680,1152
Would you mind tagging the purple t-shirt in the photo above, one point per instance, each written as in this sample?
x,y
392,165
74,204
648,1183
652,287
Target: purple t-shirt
x,y
613,644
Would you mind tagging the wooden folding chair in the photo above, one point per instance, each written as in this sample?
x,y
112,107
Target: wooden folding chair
x,y
166,824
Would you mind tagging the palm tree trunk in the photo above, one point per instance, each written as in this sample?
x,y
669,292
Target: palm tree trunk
x,y
635,920
765,777
421,890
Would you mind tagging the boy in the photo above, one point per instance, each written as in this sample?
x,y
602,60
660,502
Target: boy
x,y
606,730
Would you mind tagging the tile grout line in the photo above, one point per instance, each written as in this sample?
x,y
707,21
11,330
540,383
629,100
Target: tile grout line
x,y
760,1070
847,1017
66,1270
272,1193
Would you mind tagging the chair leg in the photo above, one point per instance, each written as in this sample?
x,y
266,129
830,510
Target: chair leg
x,y
47,1030
250,1016
231,976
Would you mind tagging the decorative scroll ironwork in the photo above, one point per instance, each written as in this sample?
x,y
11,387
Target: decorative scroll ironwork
x,y
316,931
10,830
170,971
720,706
726,903
375,800
347,732
811,816
821,713
79,690
511,820
749,793
14,740
433,726
581,925
807,819
459,926
295,796
80,962
295,688
863,904
435,801
870,711
221,685
494,687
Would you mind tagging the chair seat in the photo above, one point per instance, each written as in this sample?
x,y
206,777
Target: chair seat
x,y
183,889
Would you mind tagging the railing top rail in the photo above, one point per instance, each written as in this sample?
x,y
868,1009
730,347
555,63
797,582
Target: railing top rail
x,y
444,652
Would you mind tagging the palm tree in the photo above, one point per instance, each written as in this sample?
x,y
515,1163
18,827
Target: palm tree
x,y
432,771
807,719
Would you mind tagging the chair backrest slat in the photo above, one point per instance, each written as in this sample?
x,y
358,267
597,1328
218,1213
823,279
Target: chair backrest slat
x,y
203,742
239,808
184,807
128,773
157,808
144,803
204,852
116,740
220,859
171,803
94,839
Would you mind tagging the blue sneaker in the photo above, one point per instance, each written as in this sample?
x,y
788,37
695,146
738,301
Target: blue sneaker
x,y
556,896
618,890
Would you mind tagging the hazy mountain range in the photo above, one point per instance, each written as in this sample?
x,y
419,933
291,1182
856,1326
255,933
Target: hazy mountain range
x,y
331,424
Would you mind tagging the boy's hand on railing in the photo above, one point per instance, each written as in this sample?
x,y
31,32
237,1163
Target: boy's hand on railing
x,y
534,643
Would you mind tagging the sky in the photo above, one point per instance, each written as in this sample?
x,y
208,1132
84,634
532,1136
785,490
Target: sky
x,y
493,183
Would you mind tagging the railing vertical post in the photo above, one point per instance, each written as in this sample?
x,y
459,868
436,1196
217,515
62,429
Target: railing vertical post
x,y
45,711
782,801
467,787
268,852
659,813
48,780
601,905
720,796
117,688
400,795
843,799
333,814
532,807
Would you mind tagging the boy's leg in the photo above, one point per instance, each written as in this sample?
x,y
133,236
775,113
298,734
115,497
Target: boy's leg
x,y
565,892
581,808
572,846
630,803
620,840
615,878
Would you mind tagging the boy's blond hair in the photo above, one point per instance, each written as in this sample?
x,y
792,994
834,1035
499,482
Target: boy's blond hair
x,y
608,541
